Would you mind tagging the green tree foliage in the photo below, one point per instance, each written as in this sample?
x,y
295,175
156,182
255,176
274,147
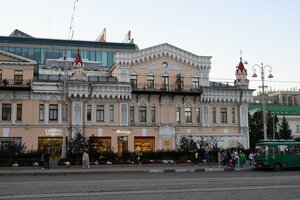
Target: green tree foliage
x,y
284,130
78,145
187,144
256,132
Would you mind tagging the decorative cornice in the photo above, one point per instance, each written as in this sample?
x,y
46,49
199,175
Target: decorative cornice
x,y
164,51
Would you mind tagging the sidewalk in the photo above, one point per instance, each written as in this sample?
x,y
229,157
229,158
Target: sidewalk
x,y
110,169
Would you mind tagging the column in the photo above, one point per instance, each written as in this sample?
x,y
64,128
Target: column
x,y
14,112
46,112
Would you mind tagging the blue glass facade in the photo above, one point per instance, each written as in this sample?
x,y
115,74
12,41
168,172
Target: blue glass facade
x,y
41,49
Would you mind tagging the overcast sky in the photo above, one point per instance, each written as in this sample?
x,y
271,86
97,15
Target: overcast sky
x,y
266,31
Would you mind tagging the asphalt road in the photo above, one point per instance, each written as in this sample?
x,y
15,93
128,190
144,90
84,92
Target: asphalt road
x,y
159,186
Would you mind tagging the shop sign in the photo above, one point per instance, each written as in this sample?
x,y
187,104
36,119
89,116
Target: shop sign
x,y
123,132
53,132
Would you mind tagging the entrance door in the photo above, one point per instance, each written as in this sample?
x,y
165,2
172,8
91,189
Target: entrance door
x,y
52,145
122,145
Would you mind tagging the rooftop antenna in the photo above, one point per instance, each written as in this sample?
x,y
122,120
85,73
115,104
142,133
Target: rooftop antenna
x,y
71,30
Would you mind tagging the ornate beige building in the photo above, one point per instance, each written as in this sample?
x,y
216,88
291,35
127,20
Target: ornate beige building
x,y
148,100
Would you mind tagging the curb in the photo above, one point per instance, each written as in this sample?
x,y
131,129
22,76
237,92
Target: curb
x,y
130,171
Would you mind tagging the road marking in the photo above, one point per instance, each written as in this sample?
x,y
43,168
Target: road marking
x,y
90,193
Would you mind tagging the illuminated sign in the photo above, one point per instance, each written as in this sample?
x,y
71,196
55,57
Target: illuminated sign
x,y
53,132
123,132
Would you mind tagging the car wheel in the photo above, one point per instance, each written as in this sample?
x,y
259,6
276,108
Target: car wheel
x,y
277,167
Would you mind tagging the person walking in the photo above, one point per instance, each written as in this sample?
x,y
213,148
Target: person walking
x,y
196,158
85,160
46,160
220,158
139,158
207,159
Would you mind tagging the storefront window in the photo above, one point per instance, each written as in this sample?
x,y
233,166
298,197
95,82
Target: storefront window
x,y
51,145
145,144
100,144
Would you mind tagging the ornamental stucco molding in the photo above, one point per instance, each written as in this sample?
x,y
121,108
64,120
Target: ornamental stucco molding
x,y
226,96
164,50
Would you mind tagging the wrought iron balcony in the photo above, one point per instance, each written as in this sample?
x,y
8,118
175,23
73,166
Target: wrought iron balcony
x,y
14,84
158,89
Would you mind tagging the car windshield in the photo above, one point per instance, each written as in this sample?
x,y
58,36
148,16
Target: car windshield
x,y
261,150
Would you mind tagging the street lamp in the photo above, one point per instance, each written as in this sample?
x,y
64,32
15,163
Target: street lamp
x,y
262,68
64,112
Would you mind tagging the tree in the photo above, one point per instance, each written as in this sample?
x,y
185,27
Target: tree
x,y
78,145
284,130
256,127
187,144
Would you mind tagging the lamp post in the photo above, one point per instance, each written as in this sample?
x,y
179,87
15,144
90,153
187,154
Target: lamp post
x,y
64,112
262,68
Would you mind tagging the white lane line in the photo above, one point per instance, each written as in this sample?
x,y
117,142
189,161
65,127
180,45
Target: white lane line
x,y
90,193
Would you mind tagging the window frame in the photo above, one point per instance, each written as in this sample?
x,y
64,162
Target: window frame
x,y
53,112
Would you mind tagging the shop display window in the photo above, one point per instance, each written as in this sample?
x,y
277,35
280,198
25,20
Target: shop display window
x,y
145,144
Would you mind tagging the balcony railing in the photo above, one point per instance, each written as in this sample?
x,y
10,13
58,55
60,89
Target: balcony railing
x,y
13,84
165,88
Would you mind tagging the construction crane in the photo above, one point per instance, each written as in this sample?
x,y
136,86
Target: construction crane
x,y
71,30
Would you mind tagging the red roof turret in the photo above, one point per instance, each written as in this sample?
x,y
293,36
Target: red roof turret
x,y
78,58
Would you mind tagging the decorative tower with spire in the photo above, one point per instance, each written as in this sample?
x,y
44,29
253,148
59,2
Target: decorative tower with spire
x,y
78,68
241,75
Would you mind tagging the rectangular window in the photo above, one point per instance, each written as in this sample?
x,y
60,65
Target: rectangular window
x,y
142,113
133,80
188,115
100,113
1,75
223,115
178,115
153,114
131,114
150,81
111,113
18,77
6,111
195,83
41,112
297,128
198,114
233,115
165,83
89,113
214,114
53,112
19,112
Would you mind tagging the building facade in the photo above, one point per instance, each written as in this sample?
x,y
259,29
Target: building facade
x,y
148,100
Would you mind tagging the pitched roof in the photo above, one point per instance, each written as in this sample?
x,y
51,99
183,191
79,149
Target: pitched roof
x,y
277,109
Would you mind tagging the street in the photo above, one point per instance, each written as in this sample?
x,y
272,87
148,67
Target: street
x,y
202,185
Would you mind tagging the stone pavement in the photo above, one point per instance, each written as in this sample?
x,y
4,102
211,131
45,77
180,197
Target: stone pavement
x,y
106,169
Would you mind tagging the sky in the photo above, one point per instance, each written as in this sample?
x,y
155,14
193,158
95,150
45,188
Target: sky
x,y
266,31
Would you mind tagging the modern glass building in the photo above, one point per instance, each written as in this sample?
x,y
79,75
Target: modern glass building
x,y
40,49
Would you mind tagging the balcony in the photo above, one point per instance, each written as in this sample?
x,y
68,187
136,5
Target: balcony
x,y
159,89
15,85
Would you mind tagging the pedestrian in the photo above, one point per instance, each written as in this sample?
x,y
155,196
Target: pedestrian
x,y
196,158
46,160
140,158
207,159
251,159
242,159
220,158
85,160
